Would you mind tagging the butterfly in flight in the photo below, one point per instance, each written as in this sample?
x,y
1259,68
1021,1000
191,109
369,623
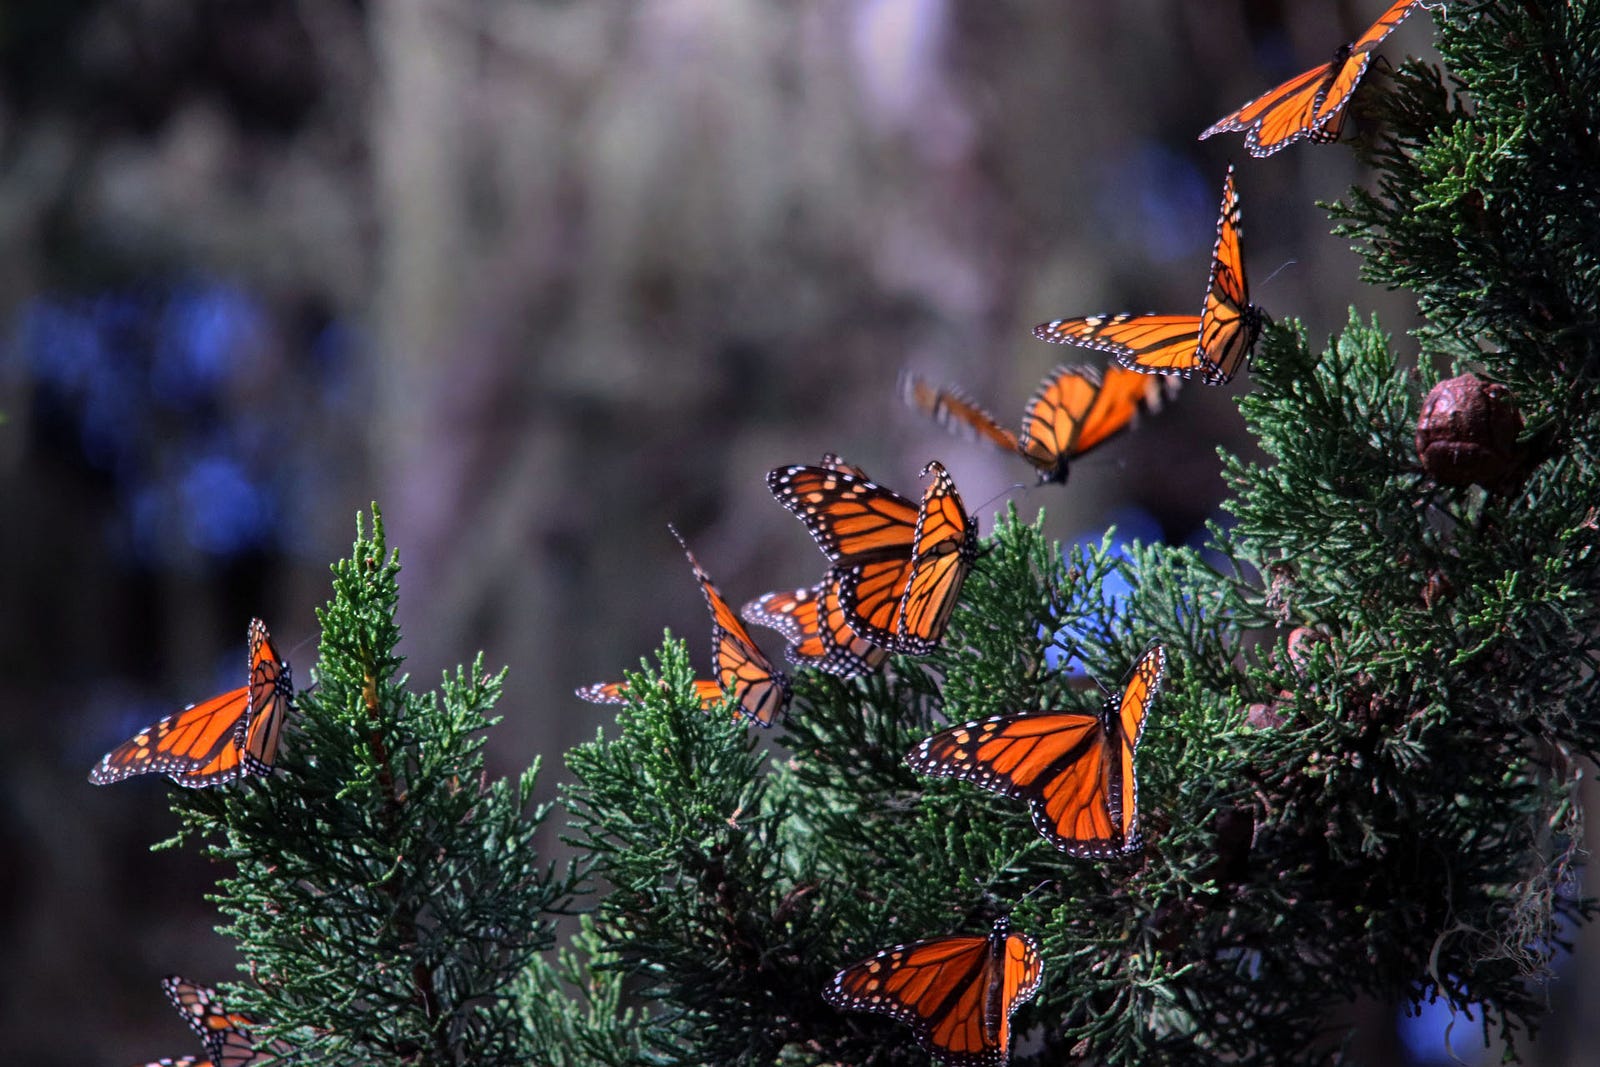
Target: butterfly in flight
x,y
1074,769
1211,347
708,692
1312,105
216,740
956,993
813,621
226,1035
1074,410
900,565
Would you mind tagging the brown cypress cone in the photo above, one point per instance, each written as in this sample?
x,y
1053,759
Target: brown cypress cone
x,y
1467,434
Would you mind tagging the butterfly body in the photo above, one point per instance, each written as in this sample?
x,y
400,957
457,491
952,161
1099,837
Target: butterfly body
x,y
957,993
1211,346
1074,410
899,565
1311,106
1075,769
216,740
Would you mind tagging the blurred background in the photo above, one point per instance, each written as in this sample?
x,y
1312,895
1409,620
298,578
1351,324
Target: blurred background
x,y
540,278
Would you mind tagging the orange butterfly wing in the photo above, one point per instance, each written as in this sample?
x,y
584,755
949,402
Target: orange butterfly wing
x,y
216,740
1211,347
1351,64
956,993
866,530
1077,409
270,694
796,615
848,653
708,692
946,544
1139,691
1280,116
955,412
1075,770
819,634
899,567
225,1034
851,518
1311,105
1073,410
758,689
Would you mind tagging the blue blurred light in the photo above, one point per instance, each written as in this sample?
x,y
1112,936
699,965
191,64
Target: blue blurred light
x,y
1131,524
1426,1036
60,349
224,512
146,380
206,334
1155,201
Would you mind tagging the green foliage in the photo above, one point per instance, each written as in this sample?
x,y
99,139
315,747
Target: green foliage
x,y
1359,780
1388,811
387,894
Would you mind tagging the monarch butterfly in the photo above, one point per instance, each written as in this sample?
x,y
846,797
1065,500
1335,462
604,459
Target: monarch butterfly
x,y
1312,105
216,740
900,566
956,993
746,676
819,635
1212,346
1074,410
1075,770
708,692
225,1034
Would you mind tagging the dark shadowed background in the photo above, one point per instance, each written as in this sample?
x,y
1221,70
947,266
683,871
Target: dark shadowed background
x,y
540,278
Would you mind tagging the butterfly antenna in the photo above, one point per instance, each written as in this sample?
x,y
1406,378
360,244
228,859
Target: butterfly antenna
x,y
295,651
1281,268
1035,889
1008,489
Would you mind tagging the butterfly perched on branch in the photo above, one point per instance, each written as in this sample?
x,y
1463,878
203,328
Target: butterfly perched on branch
x,y
956,993
1075,769
1211,346
216,740
1311,106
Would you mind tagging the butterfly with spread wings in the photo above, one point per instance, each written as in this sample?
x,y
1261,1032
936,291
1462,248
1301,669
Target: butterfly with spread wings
x,y
226,1034
814,623
1074,410
216,740
956,993
900,565
1312,105
1211,347
1075,770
